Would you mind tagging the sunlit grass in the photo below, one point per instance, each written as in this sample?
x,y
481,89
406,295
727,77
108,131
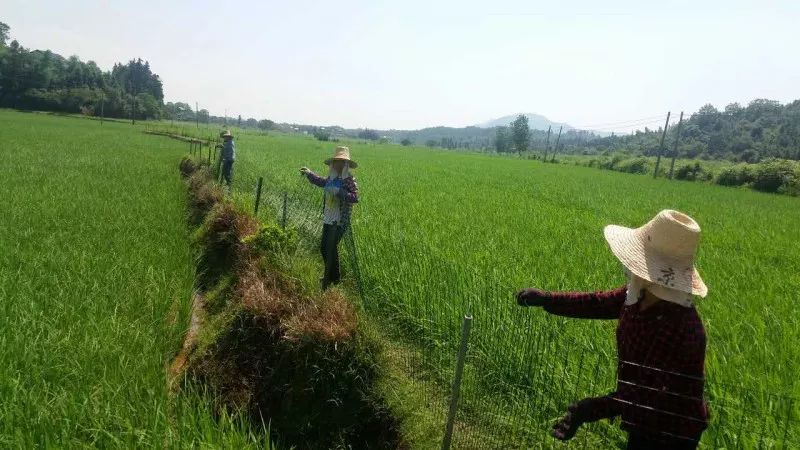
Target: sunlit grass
x,y
95,278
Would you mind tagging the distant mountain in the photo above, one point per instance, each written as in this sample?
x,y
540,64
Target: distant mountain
x,y
535,122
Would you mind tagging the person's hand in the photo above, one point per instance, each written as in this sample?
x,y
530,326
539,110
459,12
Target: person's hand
x,y
304,171
566,428
531,297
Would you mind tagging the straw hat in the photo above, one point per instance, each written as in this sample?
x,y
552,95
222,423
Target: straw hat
x,y
342,154
661,251
226,134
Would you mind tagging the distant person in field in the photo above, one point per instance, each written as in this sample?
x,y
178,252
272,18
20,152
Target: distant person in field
x,y
340,192
227,155
661,341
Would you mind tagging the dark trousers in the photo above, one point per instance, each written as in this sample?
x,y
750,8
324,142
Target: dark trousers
x,y
329,248
645,441
227,171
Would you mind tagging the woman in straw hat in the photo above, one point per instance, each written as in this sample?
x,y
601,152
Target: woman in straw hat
x,y
341,192
227,156
661,341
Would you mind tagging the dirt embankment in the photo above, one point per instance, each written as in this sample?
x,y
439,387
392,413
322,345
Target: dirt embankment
x,y
300,363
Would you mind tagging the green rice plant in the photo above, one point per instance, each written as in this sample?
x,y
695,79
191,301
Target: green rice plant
x,y
95,278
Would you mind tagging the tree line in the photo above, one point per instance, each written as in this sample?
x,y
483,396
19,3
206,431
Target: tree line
x,y
761,130
43,80
46,81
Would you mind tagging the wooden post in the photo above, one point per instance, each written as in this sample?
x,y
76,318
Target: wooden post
x,y
547,142
558,139
661,146
258,196
455,391
675,146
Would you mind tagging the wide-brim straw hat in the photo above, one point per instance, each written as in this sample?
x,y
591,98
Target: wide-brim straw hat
x,y
342,153
662,251
227,133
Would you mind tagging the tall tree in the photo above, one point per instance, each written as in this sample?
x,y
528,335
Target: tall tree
x,y
4,34
501,140
520,133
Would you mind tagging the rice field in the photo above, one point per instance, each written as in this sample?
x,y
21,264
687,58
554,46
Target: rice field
x,y
440,234
95,279
96,274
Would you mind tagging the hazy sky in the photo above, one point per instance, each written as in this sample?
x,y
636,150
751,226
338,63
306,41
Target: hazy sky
x,y
410,64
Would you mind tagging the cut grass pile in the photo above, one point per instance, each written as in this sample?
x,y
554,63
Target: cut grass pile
x,y
271,347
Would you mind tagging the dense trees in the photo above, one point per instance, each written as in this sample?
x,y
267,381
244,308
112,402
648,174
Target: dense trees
x,y
43,80
762,129
502,141
37,79
368,134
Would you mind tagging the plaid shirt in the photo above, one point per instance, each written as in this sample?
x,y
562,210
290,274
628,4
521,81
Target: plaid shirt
x,y
348,195
661,363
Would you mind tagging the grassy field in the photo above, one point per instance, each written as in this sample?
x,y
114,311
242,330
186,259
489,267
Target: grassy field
x,y
442,233
95,278
95,274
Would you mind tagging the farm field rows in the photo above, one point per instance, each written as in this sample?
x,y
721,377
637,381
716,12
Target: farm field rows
x,y
95,280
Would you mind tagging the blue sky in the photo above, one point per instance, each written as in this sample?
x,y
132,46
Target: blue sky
x,y
411,64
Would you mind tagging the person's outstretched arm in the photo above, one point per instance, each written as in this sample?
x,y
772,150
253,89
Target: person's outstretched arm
x,y
315,179
582,305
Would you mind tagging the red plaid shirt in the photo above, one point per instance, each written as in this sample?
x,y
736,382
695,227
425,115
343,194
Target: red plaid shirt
x,y
661,362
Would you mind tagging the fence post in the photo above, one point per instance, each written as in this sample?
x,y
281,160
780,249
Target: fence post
x,y
285,201
209,152
258,196
547,143
661,146
456,390
558,139
675,146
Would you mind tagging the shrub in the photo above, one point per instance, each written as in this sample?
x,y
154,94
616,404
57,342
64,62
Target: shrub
x,y
693,172
793,186
271,240
736,175
775,175
322,135
636,165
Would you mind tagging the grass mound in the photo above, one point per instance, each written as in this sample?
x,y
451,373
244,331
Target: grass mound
x,y
268,349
